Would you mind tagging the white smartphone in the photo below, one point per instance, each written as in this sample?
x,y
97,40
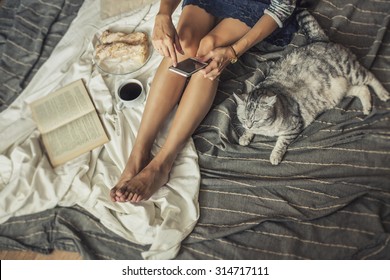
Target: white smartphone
x,y
188,67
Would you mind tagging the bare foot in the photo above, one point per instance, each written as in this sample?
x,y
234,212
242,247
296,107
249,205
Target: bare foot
x,y
135,164
146,182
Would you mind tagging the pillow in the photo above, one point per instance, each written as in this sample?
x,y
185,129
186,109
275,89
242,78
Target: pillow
x,y
110,8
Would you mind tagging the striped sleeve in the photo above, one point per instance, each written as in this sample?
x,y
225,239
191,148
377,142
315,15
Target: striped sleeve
x,y
280,10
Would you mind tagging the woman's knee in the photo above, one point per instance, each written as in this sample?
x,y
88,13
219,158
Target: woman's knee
x,y
207,44
192,45
189,40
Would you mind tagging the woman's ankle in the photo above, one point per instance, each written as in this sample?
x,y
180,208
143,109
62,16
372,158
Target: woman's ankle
x,y
164,162
137,160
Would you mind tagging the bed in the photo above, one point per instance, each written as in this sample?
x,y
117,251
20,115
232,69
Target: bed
x,y
328,199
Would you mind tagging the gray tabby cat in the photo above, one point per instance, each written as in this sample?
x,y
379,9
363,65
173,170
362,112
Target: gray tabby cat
x,y
300,86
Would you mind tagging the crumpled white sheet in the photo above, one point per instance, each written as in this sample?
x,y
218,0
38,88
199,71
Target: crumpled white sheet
x,y
28,184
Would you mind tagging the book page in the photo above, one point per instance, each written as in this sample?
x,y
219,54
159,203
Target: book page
x,y
74,138
63,106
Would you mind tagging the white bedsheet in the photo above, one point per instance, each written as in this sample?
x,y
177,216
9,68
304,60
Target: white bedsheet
x,y
27,182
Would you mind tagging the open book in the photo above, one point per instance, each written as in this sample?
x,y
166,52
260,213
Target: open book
x,y
68,122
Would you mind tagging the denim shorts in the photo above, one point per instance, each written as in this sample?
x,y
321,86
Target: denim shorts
x,y
249,12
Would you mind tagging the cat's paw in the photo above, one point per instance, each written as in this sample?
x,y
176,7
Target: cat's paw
x,y
244,141
275,158
383,95
367,110
246,138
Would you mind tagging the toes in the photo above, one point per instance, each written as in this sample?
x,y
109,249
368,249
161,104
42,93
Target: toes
x,y
113,194
135,193
127,193
124,191
130,196
120,191
136,198
139,198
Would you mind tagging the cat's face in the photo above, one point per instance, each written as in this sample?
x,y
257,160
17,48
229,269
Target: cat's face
x,y
258,110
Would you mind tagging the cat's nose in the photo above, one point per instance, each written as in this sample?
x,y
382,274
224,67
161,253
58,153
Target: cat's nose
x,y
248,124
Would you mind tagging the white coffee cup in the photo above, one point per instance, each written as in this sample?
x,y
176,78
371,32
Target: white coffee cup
x,y
131,93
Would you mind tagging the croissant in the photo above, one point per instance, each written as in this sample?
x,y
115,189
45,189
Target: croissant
x,y
133,46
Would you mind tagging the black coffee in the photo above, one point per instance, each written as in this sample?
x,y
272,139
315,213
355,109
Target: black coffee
x,y
130,91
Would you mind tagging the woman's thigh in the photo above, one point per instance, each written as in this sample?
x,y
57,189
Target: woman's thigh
x,y
194,24
228,31
225,33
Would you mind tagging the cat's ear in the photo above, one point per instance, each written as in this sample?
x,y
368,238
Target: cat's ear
x,y
239,99
270,100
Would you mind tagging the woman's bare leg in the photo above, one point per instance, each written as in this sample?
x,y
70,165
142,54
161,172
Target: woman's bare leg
x,y
189,114
164,95
194,105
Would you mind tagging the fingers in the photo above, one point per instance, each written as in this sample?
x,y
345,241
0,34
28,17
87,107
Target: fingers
x,y
218,60
173,48
168,45
172,54
205,58
214,69
167,48
178,45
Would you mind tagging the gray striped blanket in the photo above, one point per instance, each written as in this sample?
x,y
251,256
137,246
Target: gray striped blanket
x,y
29,31
328,199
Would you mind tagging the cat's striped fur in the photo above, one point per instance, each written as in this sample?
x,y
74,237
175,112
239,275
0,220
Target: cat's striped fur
x,y
303,84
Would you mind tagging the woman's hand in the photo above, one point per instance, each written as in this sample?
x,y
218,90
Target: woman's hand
x,y
218,59
165,38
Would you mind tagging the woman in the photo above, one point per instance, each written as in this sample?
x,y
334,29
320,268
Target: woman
x,y
217,31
